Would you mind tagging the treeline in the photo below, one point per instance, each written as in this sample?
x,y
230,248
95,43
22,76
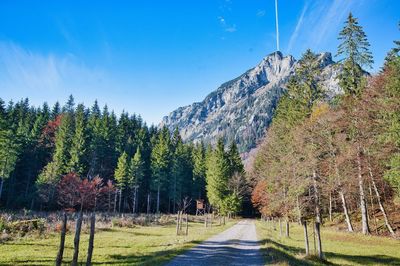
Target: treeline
x,y
84,158
342,156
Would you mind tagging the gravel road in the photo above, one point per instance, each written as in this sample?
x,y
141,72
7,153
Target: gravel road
x,y
237,245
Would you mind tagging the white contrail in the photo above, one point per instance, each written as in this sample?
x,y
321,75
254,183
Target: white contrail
x,y
277,24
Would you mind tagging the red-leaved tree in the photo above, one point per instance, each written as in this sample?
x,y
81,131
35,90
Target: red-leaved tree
x,y
85,194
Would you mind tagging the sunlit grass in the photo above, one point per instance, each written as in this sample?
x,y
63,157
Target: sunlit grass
x,y
151,245
340,248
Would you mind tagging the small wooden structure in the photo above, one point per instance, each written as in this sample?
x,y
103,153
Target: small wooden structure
x,y
200,207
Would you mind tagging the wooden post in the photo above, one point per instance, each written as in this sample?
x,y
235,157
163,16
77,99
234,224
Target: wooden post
x,y
319,244
211,220
115,201
62,241
91,239
77,239
280,227
287,228
177,223
148,203
205,220
187,224
120,200
180,220
306,238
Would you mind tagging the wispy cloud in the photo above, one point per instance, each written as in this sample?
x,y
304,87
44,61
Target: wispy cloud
x,y
318,22
27,70
299,25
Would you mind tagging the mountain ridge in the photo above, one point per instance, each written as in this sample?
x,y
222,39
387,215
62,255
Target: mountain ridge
x,y
241,109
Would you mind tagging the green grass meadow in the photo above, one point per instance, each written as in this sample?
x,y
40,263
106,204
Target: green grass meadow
x,y
152,245
340,248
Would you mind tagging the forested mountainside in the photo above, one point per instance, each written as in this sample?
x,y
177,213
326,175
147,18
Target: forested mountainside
x,y
241,110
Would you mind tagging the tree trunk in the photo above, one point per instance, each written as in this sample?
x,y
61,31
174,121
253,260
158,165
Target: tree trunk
x,y
298,209
180,220
148,203
341,193
319,243
158,199
346,212
1,186
316,198
120,200
306,238
62,241
91,239
187,224
381,207
330,206
77,239
115,201
177,223
363,203
371,200
287,228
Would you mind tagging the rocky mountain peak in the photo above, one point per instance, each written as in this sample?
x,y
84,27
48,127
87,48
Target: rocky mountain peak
x,y
242,109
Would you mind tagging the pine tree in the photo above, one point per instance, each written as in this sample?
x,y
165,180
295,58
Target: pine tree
x,y
307,89
9,148
55,111
121,174
355,52
161,164
217,175
136,176
235,162
199,170
63,143
78,146
136,169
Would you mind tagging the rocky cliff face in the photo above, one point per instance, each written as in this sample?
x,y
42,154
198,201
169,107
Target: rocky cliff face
x,y
242,109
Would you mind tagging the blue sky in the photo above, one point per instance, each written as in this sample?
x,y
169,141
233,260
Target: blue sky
x,y
150,57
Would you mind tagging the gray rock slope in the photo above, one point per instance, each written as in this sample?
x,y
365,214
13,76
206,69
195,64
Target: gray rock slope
x,y
242,109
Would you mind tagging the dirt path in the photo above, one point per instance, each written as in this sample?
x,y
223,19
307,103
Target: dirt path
x,y
237,245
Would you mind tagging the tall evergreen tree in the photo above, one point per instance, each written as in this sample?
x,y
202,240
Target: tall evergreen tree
x,y
161,164
354,50
78,147
235,162
217,175
199,170
8,148
121,174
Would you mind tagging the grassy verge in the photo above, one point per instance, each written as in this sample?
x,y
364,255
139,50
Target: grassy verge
x,y
340,248
151,245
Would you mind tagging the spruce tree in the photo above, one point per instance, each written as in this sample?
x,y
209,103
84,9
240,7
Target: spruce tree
x,y
235,162
121,174
161,164
9,148
78,147
308,91
199,170
355,53
136,169
217,175
55,111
